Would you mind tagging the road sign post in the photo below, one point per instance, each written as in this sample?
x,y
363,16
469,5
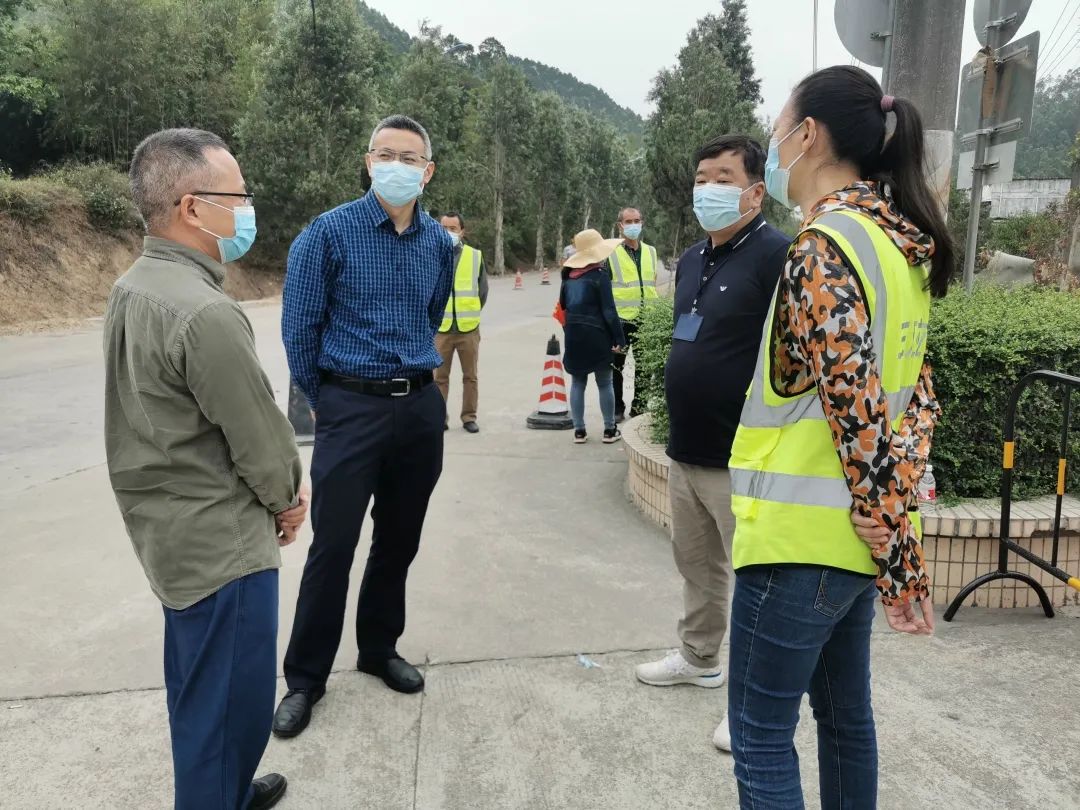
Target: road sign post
x,y
998,90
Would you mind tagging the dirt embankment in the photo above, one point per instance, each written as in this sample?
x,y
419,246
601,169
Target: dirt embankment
x,y
60,271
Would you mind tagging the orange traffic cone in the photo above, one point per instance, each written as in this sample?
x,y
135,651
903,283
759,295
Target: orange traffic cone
x,y
519,282
553,412
545,278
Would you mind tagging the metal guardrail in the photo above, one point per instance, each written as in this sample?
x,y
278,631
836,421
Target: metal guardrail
x,y
1007,544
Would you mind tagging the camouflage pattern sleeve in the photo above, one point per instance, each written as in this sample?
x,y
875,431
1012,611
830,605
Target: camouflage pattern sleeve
x,y
823,338
917,430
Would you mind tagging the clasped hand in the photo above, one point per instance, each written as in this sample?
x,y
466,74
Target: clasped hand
x,y
290,521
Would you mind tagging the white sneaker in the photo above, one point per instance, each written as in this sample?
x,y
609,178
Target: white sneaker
x,y
674,669
721,738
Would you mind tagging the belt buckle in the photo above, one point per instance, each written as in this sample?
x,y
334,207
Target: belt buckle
x,y
408,387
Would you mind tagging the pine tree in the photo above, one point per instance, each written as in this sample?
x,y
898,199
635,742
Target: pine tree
x,y
733,39
729,34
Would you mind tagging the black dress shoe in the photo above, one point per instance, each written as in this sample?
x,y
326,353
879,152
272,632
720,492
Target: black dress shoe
x,y
268,791
397,673
294,712
471,427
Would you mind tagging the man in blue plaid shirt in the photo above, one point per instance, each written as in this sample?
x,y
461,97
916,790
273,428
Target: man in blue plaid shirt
x,y
365,292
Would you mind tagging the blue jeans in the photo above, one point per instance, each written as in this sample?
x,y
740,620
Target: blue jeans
x,y
220,680
578,384
798,630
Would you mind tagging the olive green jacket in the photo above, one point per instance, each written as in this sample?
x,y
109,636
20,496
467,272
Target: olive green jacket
x,y
200,457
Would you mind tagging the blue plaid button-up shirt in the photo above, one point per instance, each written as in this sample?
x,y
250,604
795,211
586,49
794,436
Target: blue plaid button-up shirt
x,y
362,300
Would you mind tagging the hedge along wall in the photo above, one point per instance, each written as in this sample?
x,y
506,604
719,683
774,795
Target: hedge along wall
x,y
652,344
980,345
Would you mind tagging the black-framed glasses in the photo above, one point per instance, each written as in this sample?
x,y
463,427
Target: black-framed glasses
x,y
248,196
408,158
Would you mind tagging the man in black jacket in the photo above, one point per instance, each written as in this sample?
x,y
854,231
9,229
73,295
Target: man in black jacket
x,y
723,287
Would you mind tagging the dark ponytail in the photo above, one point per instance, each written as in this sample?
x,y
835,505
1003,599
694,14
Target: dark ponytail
x,y
848,102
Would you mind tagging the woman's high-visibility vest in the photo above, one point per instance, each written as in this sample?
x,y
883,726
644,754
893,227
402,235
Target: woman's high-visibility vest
x,y
464,301
791,501
632,290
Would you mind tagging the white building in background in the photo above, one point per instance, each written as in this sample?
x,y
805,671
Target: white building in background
x,y
1024,196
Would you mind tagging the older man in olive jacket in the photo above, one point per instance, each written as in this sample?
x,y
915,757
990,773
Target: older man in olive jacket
x,y
203,464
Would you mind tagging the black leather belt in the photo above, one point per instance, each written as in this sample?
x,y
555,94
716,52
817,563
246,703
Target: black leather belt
x,y
397,387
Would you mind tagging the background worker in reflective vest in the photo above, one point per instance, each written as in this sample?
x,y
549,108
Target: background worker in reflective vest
x,y
832,440
460,329
633,268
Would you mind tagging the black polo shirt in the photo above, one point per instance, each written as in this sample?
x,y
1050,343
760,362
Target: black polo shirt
x,y
706,380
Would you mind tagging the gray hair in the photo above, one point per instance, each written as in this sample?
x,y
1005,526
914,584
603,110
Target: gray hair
x,y
402,122
166,165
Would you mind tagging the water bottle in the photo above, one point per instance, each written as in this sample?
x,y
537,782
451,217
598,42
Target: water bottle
x,y
928,486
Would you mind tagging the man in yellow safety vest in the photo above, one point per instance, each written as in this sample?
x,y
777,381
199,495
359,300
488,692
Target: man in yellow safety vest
x,y
633,281
460,329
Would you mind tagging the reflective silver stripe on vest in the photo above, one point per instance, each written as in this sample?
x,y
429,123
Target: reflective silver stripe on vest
x,y
474,290
617,281
758,414
802,490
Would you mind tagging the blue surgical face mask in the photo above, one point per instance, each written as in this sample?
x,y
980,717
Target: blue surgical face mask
x,y
716,205
397,183
456,237
632,231
777,176
233,247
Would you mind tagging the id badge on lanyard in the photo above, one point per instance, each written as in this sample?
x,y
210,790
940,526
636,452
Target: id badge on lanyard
x,y
688,326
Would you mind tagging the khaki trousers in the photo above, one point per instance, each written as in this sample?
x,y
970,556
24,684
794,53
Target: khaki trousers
x,y
467,346
702,527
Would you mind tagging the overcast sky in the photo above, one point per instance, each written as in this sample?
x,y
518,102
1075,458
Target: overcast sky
x,y
619,46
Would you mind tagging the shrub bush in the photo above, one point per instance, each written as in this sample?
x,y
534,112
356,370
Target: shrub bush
x,y
104,192
651,349
980,346
29,201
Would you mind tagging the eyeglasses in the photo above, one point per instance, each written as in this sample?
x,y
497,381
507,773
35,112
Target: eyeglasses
x,y
248,198
408,158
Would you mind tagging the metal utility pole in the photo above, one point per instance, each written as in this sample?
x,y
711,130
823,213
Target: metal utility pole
x,y
978,170
887,36
922,64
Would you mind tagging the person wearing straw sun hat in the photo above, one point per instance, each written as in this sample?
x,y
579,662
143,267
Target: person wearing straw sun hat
x,y
592,329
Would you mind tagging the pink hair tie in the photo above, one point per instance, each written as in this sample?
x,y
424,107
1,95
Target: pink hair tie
x,y
887,103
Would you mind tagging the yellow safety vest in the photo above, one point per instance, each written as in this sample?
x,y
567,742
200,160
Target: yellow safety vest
x,y
791,501
631,289
464,300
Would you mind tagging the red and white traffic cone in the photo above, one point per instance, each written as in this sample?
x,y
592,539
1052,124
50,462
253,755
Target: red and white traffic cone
x,y
553,412
545,278
519,282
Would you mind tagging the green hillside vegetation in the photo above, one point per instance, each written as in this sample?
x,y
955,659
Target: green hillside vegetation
x,y
541,77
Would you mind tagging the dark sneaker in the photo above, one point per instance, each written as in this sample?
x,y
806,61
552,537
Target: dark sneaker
x,y
471,427
612,435
620,417
580,437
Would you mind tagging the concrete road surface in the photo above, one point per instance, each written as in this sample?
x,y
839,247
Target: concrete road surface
x,y
537,589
